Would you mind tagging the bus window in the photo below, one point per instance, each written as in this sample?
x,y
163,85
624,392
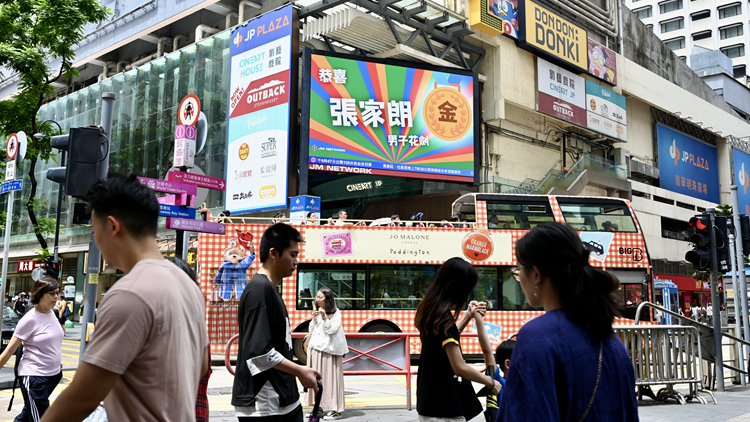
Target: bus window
x,y
518,216
513,297
487,290
399,286
613,217
346,282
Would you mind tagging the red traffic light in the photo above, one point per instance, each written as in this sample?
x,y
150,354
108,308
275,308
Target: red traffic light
x,y
700,222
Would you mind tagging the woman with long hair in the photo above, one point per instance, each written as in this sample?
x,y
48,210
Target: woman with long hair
x,y
567,364
40,369
325,353
439,328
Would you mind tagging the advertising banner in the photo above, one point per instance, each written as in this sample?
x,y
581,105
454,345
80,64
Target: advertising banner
x,y
495,17
606,126
382,117
262,62
606,111
548,35
602,62
558,83
687,165
741,168
561,109
301,206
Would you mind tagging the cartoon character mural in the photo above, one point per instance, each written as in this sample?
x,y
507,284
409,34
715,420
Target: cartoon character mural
x,y
232,274
506,10
601,61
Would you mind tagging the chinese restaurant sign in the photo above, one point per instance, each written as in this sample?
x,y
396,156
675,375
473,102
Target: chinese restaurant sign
x,y
548,35
562,94
495,17
687,165
378,117
262,62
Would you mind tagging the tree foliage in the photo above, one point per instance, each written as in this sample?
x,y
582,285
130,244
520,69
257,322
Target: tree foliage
x,y
33,35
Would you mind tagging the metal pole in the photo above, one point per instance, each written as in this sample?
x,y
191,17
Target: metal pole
x,y
8,219
737,324
740,292
60,195
93,268
715,300
185,245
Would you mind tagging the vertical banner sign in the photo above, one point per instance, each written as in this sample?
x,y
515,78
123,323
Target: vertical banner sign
x,y
495,17
383,117
741,179
687,165
259,112
184,146
549,35
602,62
301,206
606,111
562,94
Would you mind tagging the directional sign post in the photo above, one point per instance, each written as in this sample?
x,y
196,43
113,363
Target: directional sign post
x,y
197,179
176,211
195,225
166,186
4,188
11,186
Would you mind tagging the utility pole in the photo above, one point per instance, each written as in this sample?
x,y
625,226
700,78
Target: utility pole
x,y
719,363
737,323
94,262
740,292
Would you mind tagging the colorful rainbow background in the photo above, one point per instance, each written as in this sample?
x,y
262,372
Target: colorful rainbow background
x,y
367,146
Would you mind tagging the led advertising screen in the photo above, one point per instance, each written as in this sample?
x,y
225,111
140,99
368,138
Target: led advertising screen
x,y
741,169
387,118
687,165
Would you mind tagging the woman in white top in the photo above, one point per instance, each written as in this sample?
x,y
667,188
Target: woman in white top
x,y
40,332
325,353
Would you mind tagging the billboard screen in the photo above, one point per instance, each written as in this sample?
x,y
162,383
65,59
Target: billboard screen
x,y
741,169
387,118
687,165
262,61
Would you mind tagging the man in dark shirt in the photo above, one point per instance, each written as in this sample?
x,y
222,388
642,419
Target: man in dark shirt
x,y
264,385
20,306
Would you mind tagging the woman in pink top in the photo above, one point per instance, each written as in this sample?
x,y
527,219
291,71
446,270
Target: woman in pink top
x,y
40,332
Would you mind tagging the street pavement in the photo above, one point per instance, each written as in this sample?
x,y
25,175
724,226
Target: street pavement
x,y
383,398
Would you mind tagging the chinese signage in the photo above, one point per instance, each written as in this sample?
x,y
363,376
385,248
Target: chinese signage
x,y
547,34
562,94
602,62
376,118
302,206
184,146
495,17
27,266
687,165
259,112
606,111
741,168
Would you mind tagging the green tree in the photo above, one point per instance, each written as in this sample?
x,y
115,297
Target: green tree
x,y
33,34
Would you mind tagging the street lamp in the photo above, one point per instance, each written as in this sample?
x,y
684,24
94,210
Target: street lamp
x,y
59,189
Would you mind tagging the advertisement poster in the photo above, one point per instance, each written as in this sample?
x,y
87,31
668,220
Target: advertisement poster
x,y
558,83
599,242
602,62
373,117
336,244
301,206
741,169
606,111
258,133
549,35
495,17
687,165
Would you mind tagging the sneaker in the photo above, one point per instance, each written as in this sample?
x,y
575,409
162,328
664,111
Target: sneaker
x,y
320,413
332,416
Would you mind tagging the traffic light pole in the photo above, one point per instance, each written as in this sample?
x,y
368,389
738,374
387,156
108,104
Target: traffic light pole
x,y
740,292
737,323
93,268
60,195
719,363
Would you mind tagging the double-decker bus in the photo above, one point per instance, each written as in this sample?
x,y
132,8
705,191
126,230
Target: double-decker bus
x,y
380,274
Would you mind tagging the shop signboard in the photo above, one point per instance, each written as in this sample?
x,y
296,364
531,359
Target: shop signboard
x,y
549,35
385,117
495,17
561,109
687,165
741,179
606,111
263,62
300,206
28,265
560,84
602,62
606,126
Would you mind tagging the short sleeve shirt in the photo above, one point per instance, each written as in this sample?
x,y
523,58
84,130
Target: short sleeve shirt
x,y
151,329
437,387
42,339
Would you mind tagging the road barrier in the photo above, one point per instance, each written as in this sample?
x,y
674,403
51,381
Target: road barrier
x,y
665,355
369,354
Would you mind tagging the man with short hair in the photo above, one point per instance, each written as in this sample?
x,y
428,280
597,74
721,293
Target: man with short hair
x,y
20,306
149,350
341,220
264,384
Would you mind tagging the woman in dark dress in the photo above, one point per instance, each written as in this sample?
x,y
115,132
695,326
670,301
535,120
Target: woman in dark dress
x,y
567,364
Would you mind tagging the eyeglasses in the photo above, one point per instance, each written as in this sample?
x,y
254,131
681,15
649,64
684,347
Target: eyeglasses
x,y
516,271
54,294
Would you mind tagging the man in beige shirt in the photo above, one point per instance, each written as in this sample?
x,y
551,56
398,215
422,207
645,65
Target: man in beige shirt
x,y
149,349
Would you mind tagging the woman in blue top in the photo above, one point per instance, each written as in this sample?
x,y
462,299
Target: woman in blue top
x,y
567,363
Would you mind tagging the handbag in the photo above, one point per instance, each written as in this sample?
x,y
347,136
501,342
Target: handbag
x,y
468,398
596,386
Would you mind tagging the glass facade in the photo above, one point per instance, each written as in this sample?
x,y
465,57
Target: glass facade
x,y
145,114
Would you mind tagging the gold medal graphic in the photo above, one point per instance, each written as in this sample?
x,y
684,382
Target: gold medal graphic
x,y
447,113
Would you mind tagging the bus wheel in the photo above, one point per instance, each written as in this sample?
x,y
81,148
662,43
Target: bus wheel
x,y
380,327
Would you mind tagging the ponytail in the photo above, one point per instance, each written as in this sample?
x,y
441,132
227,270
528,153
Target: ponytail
x,y
587,294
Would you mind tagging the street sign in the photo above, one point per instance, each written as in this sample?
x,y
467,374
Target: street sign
x,y
11,186
195,225
184,146
197,179
181,199
189,111
176,211
10,170
165,186
12,149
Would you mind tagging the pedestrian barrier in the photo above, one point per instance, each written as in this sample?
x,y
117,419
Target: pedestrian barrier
x,y
665,355
370,354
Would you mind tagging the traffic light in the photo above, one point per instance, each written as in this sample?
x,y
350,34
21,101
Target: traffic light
x,y
700,256
722,243
84,149
52,267
745,229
